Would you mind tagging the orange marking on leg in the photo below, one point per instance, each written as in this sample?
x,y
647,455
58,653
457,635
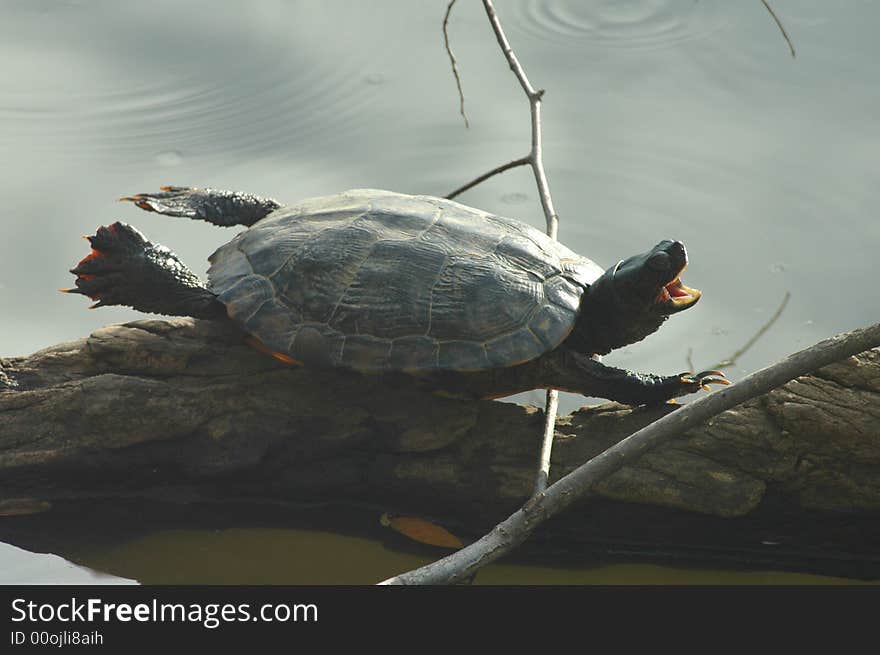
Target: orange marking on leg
x,y
255,343
95,254
287,359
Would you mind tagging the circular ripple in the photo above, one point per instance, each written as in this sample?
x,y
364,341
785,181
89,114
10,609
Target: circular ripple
x,y
256,109
648,24
145,97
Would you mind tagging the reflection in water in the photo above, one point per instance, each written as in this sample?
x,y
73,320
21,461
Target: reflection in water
x,y
274,556
296,543
731,360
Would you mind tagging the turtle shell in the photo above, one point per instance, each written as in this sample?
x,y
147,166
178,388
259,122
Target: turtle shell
x,y
379,281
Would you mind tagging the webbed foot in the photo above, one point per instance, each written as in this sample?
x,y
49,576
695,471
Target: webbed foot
x,y
124,268
215,206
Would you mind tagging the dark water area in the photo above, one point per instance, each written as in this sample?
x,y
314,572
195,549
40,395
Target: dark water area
x,y
662,118
155,542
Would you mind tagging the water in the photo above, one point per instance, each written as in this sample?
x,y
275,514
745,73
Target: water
x,y
662,118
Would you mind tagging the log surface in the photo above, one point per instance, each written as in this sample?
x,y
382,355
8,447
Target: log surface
x,y
183,409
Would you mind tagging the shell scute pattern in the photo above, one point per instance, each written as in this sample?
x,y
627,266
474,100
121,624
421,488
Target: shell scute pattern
x,y
522,254
328,271
563,293
548,322
365,353
390,295
475,297
462,356
514,347
413,354
246,296
373,280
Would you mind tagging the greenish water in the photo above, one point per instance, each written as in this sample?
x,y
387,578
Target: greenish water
x,y
283,543
288,557
314,557
663,118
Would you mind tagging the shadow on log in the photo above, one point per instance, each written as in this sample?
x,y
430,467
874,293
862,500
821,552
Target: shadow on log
x,y
183,410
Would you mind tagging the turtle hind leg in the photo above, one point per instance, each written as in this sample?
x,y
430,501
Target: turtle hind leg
x,y
124,268
224,208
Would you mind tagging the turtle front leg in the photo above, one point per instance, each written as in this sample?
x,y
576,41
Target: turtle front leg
x,y
124,268
224,208
573,371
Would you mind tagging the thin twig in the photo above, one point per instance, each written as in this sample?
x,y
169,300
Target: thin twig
x,y
454,62
547,501
535,156
522,161
577,484
536,160
552,407
731,360
781,27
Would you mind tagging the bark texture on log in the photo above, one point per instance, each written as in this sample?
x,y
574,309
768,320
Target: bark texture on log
x,y
183,409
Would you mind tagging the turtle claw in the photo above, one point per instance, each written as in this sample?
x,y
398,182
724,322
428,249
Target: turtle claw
x,y
173,200
703,374
703,379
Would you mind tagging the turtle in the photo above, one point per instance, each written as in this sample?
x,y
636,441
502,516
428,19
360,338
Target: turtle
x,y
426,290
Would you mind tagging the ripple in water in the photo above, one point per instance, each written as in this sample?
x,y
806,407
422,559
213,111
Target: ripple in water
x,y
648,24
157,99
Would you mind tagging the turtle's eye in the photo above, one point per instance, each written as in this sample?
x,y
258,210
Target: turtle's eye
x,y
659,262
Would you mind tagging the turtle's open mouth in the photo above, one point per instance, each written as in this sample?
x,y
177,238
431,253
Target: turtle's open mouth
x,y
675,296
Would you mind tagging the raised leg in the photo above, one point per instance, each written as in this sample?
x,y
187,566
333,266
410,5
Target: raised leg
x,y
573,371
124,268
224,208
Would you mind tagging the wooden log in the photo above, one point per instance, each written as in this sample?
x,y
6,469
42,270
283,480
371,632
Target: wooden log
x,y
184,410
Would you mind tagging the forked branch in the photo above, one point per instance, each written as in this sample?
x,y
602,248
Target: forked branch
x,y
516,528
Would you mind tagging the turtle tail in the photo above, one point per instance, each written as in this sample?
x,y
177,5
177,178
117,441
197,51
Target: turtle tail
x,y
125,268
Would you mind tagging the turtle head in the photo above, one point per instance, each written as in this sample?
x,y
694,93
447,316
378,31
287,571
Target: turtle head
x,y
650,283
634,297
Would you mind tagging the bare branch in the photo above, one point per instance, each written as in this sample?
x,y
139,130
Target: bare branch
x,y
548,501
536,159
454,62
516,528
551,408
522,161
781,27
536,154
